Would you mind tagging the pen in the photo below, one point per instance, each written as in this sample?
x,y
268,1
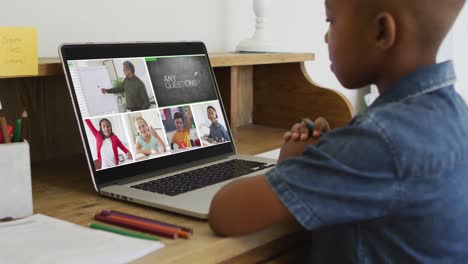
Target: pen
x,y
186,229
121,231
24,115
310,125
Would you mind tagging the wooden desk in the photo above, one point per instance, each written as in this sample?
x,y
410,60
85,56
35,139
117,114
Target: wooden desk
x,y
63,189
264,94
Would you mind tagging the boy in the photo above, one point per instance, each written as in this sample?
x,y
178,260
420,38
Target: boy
x,y
217,132
182,136
392,186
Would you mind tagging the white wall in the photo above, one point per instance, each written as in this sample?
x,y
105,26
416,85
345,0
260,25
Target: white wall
x,y
299,25
61,21
455,48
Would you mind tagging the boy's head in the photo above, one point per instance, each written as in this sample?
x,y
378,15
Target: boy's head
x,y
380,41
178,121
212,115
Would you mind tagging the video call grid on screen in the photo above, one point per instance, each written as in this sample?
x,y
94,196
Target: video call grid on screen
x,y
163,92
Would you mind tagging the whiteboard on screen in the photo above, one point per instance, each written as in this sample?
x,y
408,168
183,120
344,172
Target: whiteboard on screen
x,y
92,79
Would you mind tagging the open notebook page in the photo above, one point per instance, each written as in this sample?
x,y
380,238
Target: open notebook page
x,y
43,239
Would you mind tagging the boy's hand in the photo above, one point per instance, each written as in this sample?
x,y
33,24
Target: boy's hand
x,y
300,131
293,148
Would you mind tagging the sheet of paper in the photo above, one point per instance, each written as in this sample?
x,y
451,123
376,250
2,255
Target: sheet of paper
x,y
274,154
43,239
18,51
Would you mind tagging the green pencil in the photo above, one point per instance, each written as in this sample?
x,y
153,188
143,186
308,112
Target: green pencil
x,y
17,133
122,231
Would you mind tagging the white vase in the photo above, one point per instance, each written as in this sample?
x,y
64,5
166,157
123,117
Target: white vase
x,y
262,40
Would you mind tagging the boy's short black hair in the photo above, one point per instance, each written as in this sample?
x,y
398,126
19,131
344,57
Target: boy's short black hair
x,y
177,115
211,107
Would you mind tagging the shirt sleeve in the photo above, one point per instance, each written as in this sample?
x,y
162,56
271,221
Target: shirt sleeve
x,y
225,133
120,144
348,176
117,89
94,131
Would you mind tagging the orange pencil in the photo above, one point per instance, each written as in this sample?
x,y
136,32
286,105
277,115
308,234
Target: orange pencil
x,y
179,232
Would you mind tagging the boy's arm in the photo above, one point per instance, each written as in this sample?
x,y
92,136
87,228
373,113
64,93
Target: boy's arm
x,y
249,204
245,206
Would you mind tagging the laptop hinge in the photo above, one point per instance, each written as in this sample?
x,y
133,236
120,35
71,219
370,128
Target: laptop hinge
x,y
156,173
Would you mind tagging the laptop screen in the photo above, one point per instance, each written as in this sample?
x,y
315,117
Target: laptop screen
x,y
146,111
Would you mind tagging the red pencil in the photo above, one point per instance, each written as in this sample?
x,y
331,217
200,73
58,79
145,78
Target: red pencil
x,y
150,226
135,226
178,231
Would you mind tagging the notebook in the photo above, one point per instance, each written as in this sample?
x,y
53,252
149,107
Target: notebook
x,y
153,125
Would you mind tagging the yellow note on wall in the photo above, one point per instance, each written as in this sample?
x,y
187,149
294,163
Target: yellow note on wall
x,y
18,51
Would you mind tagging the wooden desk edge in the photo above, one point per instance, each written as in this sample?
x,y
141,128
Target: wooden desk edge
x,y
52,66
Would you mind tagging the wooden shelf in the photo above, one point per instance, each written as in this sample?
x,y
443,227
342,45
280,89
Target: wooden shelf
x,y
246,59
53,67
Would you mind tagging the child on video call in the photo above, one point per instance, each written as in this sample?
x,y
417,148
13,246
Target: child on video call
x,y
148,140
107,144
391,186
182,136
217,132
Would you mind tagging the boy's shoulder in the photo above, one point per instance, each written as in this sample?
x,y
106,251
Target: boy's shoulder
x,y
422,131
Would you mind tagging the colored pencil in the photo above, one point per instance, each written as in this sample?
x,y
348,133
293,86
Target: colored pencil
x,y
122,231
186,229
24,116
4,127
17,133
133,226
150,226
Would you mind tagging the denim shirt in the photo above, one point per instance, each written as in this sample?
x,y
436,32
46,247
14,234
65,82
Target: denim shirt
x,y
392,186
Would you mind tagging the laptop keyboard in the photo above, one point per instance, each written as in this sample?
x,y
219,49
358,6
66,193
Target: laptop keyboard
x,y
199,178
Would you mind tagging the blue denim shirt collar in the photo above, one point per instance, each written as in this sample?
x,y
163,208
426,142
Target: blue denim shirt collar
x,y
422,81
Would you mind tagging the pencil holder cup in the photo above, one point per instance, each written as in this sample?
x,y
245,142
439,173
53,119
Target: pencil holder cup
x,y
15,179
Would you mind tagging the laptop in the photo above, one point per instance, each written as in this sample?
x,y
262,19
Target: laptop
x,y
153,125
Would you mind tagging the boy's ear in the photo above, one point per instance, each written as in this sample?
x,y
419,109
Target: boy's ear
x,y
386,30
